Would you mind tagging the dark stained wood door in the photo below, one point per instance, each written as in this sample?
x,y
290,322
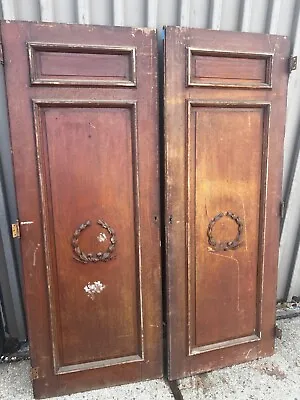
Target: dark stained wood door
x,y
83,117
225,99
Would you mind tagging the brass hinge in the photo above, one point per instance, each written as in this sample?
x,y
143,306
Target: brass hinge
x,y
1,54
278,332
292,63
282,209
34,373
15,229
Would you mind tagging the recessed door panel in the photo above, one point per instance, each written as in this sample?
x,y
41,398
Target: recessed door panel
x,y
85,148
105,132
222,188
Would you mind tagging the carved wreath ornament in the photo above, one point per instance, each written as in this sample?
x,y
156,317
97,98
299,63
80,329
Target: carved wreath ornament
x,y
93,257
231,244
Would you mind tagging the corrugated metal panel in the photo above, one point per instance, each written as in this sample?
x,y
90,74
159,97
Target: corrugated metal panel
x,y
10,259
264,16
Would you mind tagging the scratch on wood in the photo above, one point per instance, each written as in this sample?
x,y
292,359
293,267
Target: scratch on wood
x,y
175,100
26,222
249,121
248,352
147,31
34,254
206,210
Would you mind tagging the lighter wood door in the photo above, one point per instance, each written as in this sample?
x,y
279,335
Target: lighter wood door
x,y
225,98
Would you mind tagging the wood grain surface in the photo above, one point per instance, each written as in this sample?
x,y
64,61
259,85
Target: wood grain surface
x,y
85,148
225,99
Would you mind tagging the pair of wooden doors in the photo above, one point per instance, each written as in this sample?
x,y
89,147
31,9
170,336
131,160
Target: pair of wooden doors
x,y
83,110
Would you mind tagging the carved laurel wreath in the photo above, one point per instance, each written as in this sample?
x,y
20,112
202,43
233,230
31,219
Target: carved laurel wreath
x,y
93,257
230,245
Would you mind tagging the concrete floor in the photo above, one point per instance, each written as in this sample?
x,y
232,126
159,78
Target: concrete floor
x,y
273,378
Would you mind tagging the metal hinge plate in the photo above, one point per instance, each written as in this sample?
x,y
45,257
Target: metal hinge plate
x,y
293,63
278,332
15,229
34,373
1,54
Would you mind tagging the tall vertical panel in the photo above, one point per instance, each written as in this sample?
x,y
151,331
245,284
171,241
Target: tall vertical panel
x,y
224,128
85,147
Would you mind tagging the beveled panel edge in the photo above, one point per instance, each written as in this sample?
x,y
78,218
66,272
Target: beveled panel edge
x,y
98,364
228,103
263,207
37,105
269,57
86,103
189,103
32,47
225,344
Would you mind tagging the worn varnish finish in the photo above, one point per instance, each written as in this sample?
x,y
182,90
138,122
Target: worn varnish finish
x,y
83,118
225,98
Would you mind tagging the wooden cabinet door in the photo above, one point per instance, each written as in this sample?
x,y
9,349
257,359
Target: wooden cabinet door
x,y
83,117
225,99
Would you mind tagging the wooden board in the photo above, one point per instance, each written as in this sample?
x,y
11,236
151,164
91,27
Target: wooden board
x,y
225,99
83,122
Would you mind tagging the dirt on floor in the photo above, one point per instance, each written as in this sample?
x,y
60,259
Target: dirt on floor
x,y
272,378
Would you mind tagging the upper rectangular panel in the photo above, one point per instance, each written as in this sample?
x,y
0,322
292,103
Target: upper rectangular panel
x,y
81,65
229,69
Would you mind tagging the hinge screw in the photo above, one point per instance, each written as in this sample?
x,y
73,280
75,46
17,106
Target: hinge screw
x,y
293,63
